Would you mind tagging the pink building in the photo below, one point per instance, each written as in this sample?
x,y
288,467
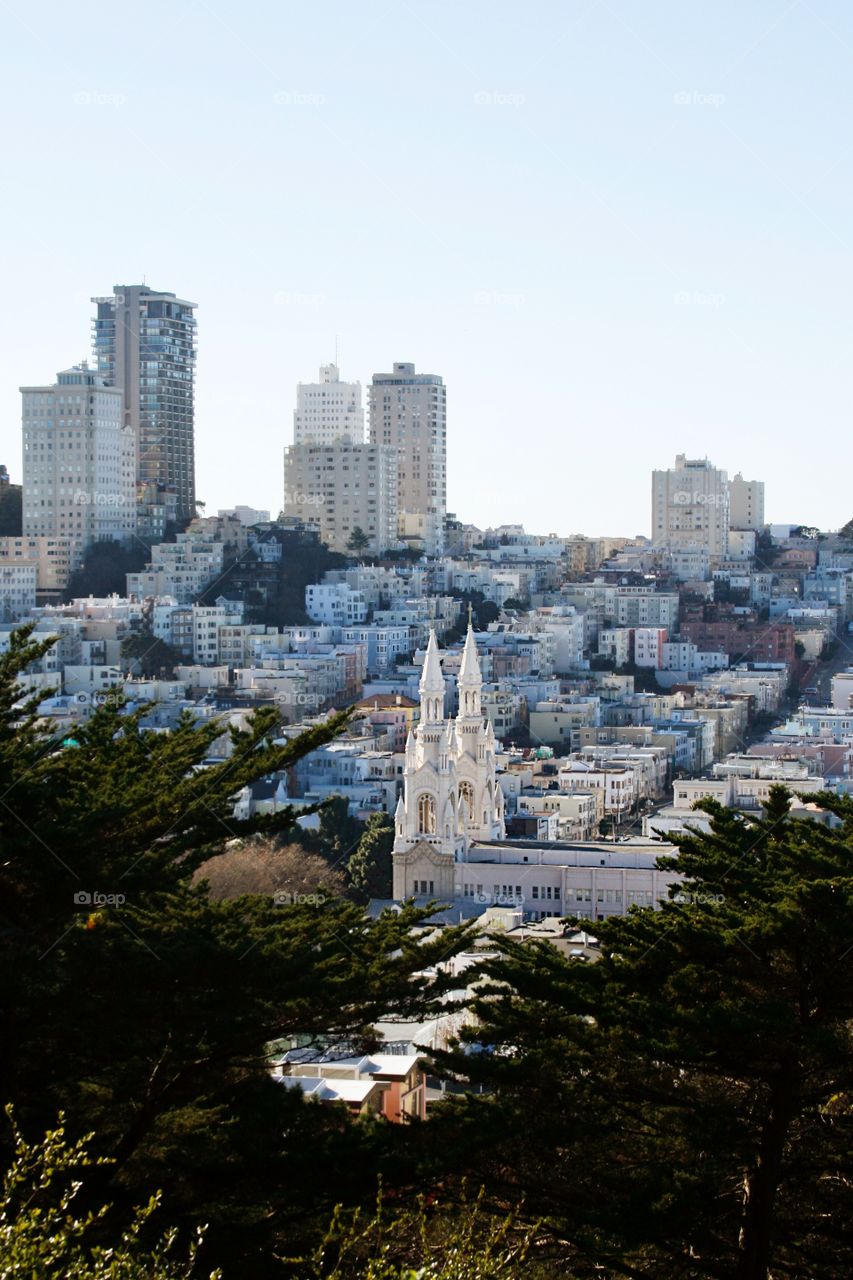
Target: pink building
x,y
393,709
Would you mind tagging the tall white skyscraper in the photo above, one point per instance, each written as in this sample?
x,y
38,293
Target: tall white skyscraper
x,y
408,411
690,506
79,476
328,410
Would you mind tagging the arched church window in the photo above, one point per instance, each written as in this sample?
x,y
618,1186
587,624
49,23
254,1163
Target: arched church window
x,y
466,794
426,814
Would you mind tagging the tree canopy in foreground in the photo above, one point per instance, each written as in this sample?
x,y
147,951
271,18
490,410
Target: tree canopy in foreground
x,y
683,1106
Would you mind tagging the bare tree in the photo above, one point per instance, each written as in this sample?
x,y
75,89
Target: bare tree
x,y
258,866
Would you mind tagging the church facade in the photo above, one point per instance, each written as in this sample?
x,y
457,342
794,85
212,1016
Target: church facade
x,y
451,797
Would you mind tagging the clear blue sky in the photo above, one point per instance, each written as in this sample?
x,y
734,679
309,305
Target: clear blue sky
x,y
619,230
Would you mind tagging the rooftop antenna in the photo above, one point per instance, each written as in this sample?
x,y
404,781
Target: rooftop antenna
x,y
336,349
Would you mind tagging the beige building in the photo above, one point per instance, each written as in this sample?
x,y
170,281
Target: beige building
x,y
746,503
343,487
79,462
578,813
408,411
690,506
51,557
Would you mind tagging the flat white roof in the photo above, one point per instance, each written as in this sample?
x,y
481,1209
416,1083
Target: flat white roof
x,y
331,1090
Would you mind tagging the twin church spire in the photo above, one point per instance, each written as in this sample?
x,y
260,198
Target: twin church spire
x,y
469,682
451,796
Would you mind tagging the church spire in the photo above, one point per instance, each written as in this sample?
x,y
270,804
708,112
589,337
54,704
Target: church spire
x,y
470,681
432,685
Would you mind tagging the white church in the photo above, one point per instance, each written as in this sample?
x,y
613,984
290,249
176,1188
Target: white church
x,y
450,793
450,840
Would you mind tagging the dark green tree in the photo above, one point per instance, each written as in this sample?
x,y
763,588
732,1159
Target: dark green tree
x,y
336,835
484,611
682,1107
358,540
147,655
143,1008
105,568
369,868
10,511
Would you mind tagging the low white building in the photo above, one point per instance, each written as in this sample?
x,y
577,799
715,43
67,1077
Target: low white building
x,y
18,584
619,783
649,645
615,643
207,621
842,690
335,603
592,881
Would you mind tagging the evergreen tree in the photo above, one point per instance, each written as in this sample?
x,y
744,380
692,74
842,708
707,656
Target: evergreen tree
x,y
682,1107
147,655
358,540
369,869
105,568
11,523
143,1008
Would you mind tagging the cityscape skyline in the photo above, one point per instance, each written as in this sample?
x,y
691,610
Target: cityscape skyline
x,y
426,656
569,265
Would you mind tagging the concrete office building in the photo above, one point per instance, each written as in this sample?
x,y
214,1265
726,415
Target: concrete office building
x,y
342,487
78,462
690,506
408,411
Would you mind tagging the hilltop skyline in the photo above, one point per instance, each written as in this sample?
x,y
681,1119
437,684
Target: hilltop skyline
x,y
538,208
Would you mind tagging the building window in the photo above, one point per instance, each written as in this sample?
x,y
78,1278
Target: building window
x,y
426,814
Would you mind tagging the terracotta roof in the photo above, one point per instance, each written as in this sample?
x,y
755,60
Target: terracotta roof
x,y
381,701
